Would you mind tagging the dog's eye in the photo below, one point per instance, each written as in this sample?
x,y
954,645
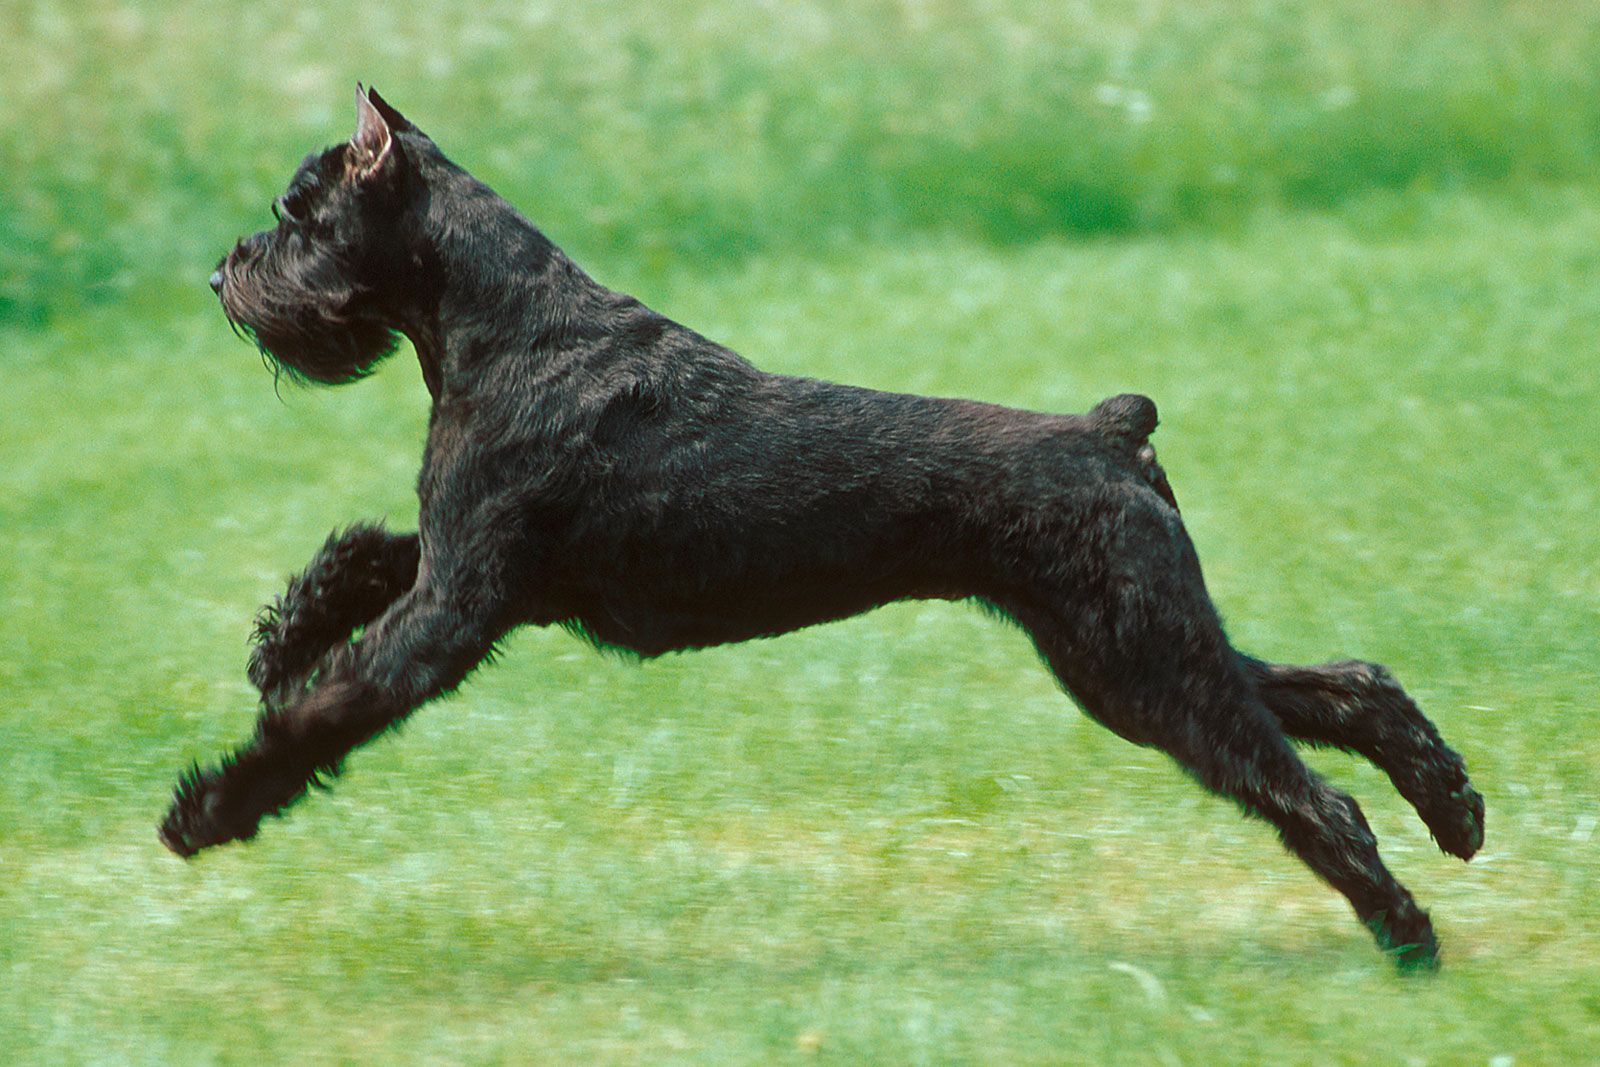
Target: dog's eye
x,y
288,209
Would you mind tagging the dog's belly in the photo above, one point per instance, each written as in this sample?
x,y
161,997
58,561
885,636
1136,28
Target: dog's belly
x,y
656,630
719,593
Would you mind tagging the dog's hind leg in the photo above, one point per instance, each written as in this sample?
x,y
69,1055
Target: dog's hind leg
x,y
423,646
1201,708
1128,628
1359,707
1242,755
351,580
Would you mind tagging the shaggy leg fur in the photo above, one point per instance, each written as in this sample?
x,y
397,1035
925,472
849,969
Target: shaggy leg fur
x,y
1149,660
1320,824
1360,708
347,584
1212,721
422,647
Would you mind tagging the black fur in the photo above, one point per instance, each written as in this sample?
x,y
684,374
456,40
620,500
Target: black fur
x,y
593,464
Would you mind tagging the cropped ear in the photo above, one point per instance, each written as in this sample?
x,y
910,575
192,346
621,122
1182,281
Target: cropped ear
x,y
397,122
373,143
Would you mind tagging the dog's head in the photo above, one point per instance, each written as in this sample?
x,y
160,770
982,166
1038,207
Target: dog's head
x,y
321,291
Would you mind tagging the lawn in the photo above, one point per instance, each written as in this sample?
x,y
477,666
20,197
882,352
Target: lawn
x,y
1352,256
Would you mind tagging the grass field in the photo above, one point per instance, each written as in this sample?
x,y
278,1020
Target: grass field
x,y
1354,255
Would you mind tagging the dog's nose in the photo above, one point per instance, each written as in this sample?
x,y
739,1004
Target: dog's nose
x,y
216,282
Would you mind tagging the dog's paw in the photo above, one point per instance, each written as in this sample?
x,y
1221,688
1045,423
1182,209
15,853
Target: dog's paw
x,y
1406,937
1454,815
201,816
1420,957
1462,835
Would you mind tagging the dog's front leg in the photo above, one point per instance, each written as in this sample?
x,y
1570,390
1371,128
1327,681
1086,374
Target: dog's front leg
x,y
351,580
422,647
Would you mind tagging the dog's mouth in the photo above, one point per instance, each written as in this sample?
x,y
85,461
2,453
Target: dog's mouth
x,y
238,285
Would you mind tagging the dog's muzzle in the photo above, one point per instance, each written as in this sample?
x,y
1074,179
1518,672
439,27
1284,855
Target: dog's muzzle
x,y
243,250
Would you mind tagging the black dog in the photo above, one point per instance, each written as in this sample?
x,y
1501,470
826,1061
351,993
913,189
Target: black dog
x,y
593,464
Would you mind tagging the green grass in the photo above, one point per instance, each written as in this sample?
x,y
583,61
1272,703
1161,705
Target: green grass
x,y
888,840
136,138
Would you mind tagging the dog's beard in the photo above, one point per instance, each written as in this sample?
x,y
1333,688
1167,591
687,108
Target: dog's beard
x,y
308,332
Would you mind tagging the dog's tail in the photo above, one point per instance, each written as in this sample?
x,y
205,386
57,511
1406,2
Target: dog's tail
x,y
1127,420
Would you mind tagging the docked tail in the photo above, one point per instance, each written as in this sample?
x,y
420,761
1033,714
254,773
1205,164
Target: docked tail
x,y
1128,420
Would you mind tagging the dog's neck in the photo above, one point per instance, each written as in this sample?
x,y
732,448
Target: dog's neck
x,y
493,266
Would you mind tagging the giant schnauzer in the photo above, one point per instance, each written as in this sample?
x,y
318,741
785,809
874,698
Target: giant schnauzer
x,y
594,464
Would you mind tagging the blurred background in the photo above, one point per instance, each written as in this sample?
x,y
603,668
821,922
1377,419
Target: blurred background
x,y
138,137
1351,251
